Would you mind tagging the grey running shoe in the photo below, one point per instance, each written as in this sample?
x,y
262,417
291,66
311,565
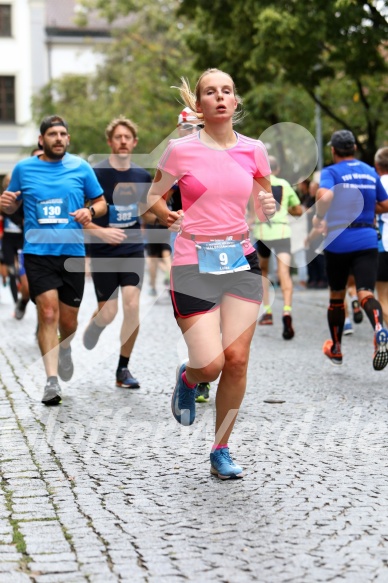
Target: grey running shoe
x,y
91,335
65,364
52,393
125,380
20,309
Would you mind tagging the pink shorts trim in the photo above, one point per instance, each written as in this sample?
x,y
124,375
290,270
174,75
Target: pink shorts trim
x,y
259,302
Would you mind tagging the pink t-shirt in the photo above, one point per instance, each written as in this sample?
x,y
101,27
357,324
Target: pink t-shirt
x,y
215,187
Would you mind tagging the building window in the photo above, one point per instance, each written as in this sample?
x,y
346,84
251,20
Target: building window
x,y
5,20
7,99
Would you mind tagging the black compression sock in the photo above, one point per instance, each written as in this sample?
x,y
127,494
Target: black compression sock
x,y
372,309
14,287
336,320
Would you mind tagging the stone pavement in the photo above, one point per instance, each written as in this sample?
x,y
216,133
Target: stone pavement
x,y
109,488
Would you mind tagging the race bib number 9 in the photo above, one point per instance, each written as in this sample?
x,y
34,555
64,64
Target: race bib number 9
x,y
219,257
52,211
123,216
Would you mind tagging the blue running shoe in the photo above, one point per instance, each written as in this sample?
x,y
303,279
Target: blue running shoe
x,y
222,465
125,380
348,328
380,358
183,400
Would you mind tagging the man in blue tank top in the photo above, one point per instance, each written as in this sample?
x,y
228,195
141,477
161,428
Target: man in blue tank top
x,y
350,194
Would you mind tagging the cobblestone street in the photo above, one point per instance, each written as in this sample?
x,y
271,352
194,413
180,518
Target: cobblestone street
x,y
108,487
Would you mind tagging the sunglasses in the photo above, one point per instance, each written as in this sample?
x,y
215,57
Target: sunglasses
x,y
190,126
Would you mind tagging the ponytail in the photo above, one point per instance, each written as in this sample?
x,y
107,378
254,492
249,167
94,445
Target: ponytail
x,y
188,97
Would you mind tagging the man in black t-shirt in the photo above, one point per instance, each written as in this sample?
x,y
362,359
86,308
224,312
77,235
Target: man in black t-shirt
x,y
117,261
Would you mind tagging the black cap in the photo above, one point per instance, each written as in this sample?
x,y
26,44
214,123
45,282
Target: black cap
x,y
50,121
342,140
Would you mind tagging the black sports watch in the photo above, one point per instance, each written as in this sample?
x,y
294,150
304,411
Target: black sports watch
x,y
92,212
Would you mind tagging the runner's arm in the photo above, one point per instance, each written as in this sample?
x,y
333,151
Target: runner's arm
x,y
99,205
263,200
84,215
296,211
110,235
157,204
148,216
324,199
382,207
8,202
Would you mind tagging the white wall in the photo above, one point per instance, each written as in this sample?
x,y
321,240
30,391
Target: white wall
x,y
32,60
15,61
15,58
73,58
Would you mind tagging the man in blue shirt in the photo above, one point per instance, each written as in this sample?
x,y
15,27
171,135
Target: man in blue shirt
x,y
53,188
350,194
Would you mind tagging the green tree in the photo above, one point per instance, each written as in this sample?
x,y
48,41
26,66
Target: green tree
x,y
265,105
145,58
333,50
78,99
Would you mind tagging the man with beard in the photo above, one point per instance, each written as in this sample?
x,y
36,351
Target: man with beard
x,y
119,264
53,188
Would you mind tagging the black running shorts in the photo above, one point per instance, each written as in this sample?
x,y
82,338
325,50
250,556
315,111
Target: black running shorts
x,y
264,248
47,272
111,273
195,293
382,271
11,243
363,265
158,240
156,249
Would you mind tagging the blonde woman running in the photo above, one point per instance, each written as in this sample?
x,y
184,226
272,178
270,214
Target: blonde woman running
x,y
216,279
